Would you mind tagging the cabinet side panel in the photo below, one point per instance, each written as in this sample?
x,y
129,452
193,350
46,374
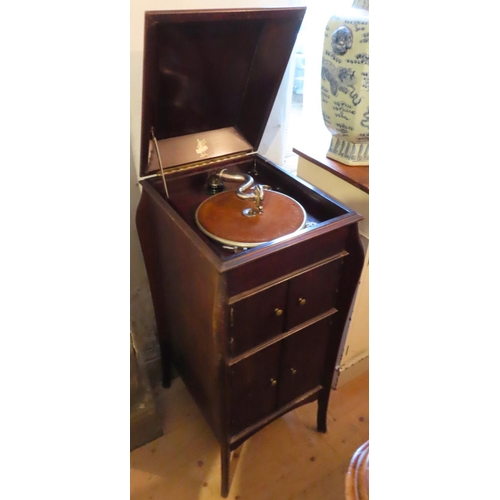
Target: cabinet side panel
x,y
187,292
351,272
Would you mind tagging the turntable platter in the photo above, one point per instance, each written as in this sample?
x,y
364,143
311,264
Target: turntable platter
x,y
222,218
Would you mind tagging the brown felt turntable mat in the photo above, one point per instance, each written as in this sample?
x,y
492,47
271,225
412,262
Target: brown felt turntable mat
x,y
221,217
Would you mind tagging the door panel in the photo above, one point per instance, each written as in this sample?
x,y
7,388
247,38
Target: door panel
x,y
303,358
257,318
254,385
312,293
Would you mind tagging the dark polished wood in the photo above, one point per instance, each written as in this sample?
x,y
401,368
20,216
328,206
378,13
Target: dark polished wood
x,y
254,388
257,318
253,333
233,324
313,292
302,360
225,460
212,70
166,365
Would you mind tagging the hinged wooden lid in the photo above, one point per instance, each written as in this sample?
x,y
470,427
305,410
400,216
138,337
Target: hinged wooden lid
x,y
210,79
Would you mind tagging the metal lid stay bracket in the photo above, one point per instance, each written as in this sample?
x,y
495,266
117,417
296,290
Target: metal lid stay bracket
x,y
159,160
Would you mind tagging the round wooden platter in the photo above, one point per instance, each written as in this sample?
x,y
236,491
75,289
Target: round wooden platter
x,y
221,218
357,477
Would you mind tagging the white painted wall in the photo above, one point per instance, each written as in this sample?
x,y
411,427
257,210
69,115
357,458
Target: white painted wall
x,y
317,16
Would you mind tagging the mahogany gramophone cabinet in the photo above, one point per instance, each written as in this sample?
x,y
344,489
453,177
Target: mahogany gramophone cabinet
x,y
252,271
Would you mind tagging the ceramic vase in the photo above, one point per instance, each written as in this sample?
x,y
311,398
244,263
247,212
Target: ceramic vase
x,y
345,85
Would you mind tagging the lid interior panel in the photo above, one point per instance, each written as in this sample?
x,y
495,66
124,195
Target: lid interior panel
x,y
213,70
203,71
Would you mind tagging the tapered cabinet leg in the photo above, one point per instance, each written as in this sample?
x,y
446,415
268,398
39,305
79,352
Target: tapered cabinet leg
x,y
166,367
323,398
225,455
166,377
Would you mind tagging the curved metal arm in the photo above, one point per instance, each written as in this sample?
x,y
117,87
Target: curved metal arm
x,y
257,195
247,179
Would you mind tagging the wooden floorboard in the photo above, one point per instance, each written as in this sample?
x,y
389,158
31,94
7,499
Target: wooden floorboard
x,y
286,460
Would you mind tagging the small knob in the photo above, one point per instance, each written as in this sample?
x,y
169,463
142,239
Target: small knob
x,y
278,312
293,370
273,382
302,302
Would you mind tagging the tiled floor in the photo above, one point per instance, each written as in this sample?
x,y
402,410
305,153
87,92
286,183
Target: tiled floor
x,y
286,460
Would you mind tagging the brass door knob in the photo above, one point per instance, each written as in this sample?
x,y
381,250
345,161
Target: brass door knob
x,y
278,312
273,382
293,370
302,302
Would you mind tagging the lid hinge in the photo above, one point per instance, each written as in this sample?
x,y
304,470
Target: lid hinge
x,y
197,164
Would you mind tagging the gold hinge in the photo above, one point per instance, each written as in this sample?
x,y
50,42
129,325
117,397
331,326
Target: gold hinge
x,y
187,166
201,164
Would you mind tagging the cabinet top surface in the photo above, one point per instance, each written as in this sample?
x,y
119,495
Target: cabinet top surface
x,y
187,191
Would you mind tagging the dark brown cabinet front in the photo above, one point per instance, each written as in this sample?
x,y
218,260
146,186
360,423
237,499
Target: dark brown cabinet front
x,y
257,318
279,308
312,293
254,386
278,374
290,317
302,361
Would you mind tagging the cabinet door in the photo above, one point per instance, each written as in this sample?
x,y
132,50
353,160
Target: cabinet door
x,y
253,387
312,293
303,358
257,318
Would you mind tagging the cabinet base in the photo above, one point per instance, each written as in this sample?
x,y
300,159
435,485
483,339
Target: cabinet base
x,y
318,393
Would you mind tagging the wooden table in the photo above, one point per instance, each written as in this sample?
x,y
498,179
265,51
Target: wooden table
x,y
313,148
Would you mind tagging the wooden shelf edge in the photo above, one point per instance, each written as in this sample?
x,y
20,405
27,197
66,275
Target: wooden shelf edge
x,y
354,175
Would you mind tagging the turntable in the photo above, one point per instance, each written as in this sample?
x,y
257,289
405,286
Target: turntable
x,y
252,271
237,218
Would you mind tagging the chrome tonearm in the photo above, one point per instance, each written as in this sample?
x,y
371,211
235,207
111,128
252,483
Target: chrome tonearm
x,y
256,193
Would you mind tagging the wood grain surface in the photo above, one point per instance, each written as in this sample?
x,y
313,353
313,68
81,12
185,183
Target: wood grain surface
x,y
222,216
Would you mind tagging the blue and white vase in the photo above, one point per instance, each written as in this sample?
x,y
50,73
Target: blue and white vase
x,y
345,85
